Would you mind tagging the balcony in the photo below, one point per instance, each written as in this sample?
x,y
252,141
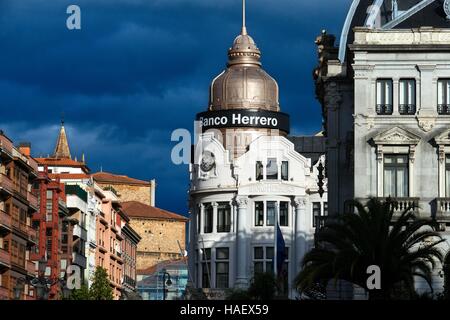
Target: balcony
x,y
31,267
443,209
33,200
401,204
5,144
4,293
384,109
79,260
5,259
80,232
5,221
32,234
407,109
443,109
6,184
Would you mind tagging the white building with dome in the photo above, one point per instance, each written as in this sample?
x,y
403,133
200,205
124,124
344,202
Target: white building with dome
x,y
246,175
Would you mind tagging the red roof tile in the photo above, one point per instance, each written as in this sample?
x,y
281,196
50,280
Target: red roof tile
x,y
106,177
135,209
62,162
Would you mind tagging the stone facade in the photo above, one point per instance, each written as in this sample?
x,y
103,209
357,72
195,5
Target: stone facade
x,y
159,240
126,192
385,107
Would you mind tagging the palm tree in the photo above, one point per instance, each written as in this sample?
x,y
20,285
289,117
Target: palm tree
x,y
345,247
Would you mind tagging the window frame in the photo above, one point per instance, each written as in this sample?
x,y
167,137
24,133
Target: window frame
x,y
395,166
381,106
405,95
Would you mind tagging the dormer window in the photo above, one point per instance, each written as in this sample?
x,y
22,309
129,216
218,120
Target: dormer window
x,y
259,171
285,170
272,169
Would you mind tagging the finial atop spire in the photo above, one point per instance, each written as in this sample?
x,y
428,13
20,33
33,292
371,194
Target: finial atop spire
x,y
62,150
244,28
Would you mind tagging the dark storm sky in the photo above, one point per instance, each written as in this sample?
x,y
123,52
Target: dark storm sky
x,y
138,69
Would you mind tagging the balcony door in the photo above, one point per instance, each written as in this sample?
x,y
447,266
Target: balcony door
x,y
396,176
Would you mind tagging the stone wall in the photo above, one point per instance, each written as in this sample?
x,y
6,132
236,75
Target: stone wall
x,y
141,193
159,240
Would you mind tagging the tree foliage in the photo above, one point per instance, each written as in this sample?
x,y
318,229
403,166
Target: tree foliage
x,y
402,247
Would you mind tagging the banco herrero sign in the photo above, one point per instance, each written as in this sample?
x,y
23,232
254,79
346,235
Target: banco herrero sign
x,y
244,119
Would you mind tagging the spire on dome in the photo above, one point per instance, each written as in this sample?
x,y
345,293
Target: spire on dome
x,y
62,150
244,28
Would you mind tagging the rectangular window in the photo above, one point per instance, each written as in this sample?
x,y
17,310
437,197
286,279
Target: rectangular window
x,y
444,96
272,169
263,259
384,96
259,213
285,170
206,268
325,209
208,228
224,217
259,171
316,208
407,96
396,176
284,214
222,268
447,176
270,213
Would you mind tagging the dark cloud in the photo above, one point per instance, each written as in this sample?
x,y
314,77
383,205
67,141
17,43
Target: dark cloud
x,y
139,69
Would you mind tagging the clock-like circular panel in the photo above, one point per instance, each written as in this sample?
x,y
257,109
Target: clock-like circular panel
x,y
208,161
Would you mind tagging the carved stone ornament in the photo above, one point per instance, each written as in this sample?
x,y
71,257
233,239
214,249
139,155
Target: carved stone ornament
x,y
300,203
242,202
426,123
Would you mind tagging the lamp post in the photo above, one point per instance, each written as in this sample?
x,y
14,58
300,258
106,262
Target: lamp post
x,y
169,282
41,283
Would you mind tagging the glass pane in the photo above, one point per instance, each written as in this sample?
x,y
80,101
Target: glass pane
x,y
222,253
259,170
270,213
269,267
284,209
272,169
402,182
403,92
258,253
223,217
222,281
222,267
389,182
441,97
207,254
269,252
259,213
285,170
412,92
258,267
379,93
447,182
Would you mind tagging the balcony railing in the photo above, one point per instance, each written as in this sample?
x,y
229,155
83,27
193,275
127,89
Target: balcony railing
x,y
403,203
6,144
33,200
443,209
406,109
32,234
6,183
5,258
443,109
384,108
4,293
5,220
31,267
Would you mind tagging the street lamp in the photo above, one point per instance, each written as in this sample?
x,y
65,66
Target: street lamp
x,y
169,282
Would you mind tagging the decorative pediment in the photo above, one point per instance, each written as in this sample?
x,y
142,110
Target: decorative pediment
x,y
443,138
396,136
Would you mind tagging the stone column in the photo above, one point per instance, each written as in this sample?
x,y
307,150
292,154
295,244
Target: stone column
x,y
242,254
202,218
214,220
300,232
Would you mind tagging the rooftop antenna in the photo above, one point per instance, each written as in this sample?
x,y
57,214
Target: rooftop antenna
x,y
244,28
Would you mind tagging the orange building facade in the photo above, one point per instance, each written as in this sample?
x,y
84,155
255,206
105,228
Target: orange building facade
x,y
18,203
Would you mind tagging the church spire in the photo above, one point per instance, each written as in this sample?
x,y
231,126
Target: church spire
x,y
62,146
